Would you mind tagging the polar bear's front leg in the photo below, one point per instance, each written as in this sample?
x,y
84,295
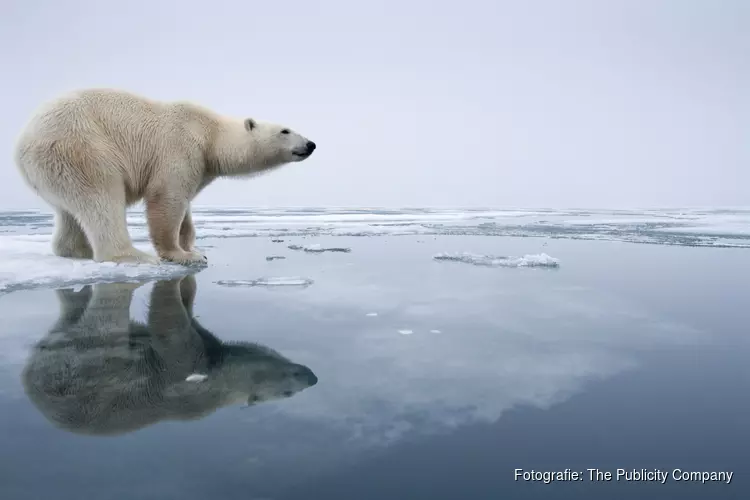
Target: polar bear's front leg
x,y
165,215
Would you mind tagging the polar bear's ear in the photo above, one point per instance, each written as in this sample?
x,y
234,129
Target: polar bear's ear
x,y
249,124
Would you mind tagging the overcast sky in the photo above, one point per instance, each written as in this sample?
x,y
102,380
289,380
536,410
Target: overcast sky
x,y
577,103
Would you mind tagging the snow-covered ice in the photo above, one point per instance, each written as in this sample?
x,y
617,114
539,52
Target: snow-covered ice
x,y
540,260
27,262
715,227
196,377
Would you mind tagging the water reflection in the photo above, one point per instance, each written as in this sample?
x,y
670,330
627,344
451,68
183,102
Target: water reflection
x,y
99,372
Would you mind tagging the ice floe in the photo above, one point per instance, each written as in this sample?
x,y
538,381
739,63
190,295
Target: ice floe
x,y
272,281
28,263
318,248
537,260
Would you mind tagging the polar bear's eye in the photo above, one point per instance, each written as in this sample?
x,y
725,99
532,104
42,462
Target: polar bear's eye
x,y
285,131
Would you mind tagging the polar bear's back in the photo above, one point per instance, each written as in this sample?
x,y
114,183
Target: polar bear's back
x,y
94,112
97,133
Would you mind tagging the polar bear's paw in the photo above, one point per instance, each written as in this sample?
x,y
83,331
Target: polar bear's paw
x,y
134,256
184,258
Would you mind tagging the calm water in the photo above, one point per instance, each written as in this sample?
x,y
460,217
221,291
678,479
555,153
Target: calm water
x,y
392,375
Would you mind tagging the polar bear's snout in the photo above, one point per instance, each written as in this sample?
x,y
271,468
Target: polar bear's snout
x,y
306,151
302,373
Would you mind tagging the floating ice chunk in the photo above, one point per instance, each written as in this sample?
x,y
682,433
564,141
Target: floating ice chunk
x,y
276,281
28,263
538,260
318,248
406,332
372,315
435,331
196,377
275,257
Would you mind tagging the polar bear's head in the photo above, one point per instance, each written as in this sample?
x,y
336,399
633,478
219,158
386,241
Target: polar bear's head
x,y
276,144
279,142
249,146
256,374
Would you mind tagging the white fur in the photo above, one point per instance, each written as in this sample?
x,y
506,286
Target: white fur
x,y
92,153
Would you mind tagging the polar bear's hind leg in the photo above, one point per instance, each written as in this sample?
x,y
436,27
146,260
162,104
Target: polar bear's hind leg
x,y
69,239
102,214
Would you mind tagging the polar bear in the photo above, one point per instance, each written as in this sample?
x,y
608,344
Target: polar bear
x,y
92,153
98,372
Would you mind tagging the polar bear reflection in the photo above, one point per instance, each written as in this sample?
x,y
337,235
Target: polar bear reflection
x,y
99,372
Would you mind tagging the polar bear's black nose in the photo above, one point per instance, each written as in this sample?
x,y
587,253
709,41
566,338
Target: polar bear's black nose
x,y
305,374
310,147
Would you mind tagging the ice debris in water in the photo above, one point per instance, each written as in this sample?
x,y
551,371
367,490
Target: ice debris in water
x,y
435,331
278,281
371,314
275,257
196,377
318,248
406,332
537,260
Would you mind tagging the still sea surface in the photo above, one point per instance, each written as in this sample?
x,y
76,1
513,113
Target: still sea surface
x,y
383,354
